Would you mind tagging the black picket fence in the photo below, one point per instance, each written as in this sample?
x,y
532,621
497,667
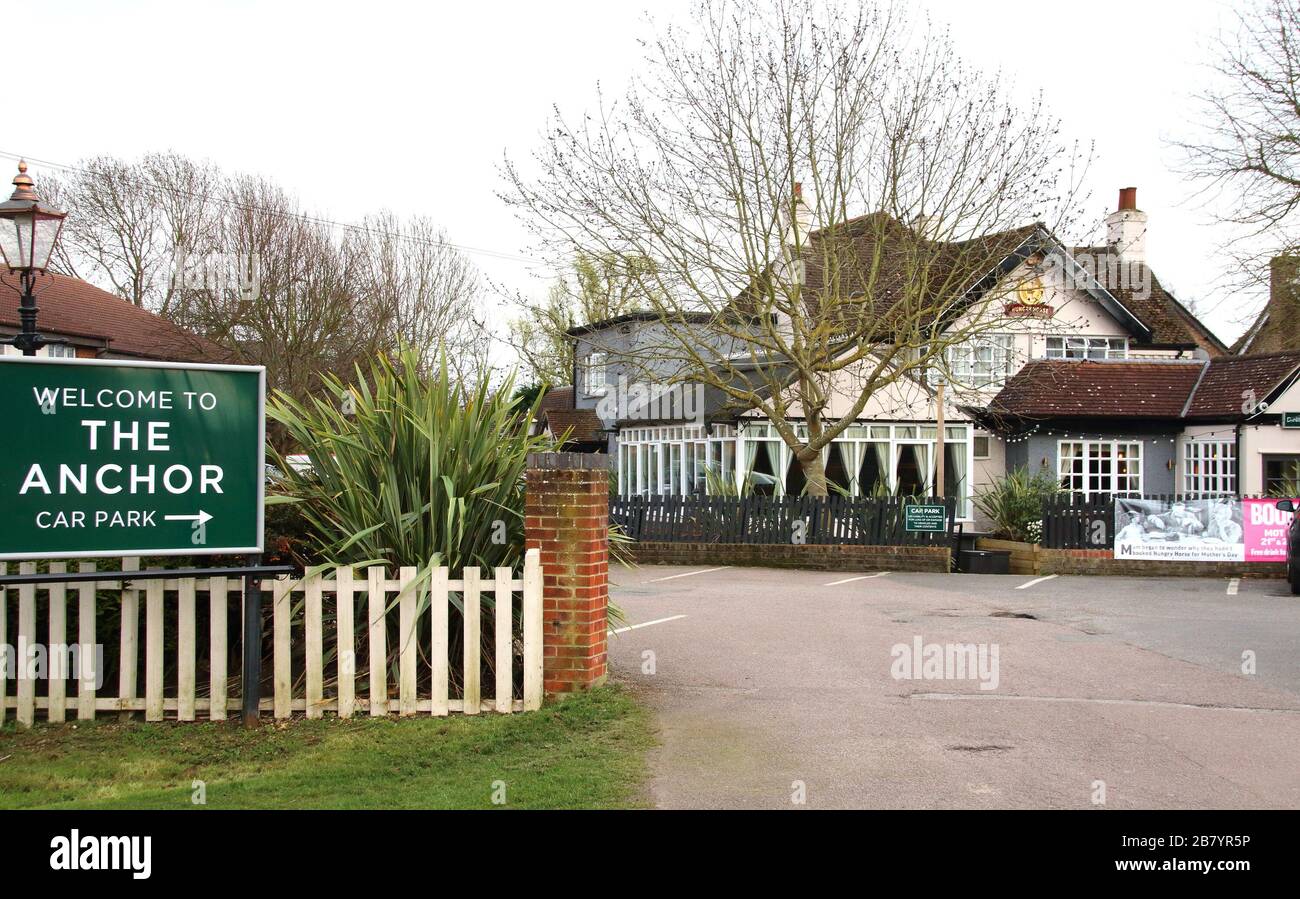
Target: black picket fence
x,y
866,521
1071,521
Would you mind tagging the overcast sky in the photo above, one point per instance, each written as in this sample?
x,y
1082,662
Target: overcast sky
x,y
360,106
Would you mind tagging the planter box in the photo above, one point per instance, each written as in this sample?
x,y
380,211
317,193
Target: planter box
x,y
1026,558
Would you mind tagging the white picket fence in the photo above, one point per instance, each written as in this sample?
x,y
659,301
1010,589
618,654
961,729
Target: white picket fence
x,y
348,590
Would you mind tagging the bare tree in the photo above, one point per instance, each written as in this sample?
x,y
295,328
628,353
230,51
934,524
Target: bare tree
x,y
822,193
238,261
1249,158
595,288
419,289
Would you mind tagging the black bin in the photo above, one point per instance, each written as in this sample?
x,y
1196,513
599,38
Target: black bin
x,y
984,561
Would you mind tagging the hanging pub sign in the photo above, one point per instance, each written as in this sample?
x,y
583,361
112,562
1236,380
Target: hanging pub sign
x,y
1029,301
112,458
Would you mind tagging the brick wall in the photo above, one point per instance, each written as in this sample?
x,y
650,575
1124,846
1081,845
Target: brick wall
x,y
781,555
1103,561
566,509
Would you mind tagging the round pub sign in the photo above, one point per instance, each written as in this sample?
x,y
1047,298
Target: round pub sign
x,y
111,458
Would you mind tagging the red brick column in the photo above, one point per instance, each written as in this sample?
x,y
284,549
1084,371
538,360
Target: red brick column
x,y
566,512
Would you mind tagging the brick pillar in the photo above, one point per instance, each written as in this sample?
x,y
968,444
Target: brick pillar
x,y
567,518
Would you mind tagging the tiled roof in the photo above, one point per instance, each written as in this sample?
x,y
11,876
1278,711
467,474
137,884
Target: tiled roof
x,y
583,425
886,271
1045,388
1149,388
1171,323
557,398
81,312
1231,381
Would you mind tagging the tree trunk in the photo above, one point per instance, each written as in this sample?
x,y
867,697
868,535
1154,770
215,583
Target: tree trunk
x,y
814,473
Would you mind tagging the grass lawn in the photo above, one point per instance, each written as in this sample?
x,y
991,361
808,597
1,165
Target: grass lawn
x,y
585,752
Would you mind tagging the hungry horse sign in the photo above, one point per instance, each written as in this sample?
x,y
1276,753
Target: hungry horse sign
x,y
112,458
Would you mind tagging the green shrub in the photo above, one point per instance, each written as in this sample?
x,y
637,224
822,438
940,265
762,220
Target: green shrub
x,y
409,470
1015,503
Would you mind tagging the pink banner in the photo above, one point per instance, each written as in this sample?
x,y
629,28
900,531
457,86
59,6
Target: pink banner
x,y
1265,527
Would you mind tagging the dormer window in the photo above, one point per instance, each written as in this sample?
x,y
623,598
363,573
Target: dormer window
x,y
1087,348
594,373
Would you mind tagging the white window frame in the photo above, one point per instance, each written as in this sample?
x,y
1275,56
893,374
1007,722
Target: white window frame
x,y
964,366
1087,477
1209,467
1084,346
594,365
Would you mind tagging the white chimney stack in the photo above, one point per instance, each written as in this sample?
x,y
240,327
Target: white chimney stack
x,y
803,219
1126,228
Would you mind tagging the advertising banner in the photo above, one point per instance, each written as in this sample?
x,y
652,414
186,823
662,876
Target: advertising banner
x,y
1201,530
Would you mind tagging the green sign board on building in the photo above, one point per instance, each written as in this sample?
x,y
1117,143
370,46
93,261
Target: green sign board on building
x,y
925,517
1291,419
110,458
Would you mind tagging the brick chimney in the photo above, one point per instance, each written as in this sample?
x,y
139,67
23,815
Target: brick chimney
x,y
1126,228
1281,329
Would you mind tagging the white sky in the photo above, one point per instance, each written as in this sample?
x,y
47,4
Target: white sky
x,y
410,106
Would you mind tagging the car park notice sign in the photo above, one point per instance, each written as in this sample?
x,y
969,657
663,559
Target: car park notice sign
x,y
108,458
930,518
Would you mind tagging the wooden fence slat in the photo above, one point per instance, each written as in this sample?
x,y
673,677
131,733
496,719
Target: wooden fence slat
x,y
56,680
472,639
26,711
408,649
186,649
314,644
378,641
438,662
153,651
347,643
4,644
128,648
218,648
281,610
503,617
532,630
87,658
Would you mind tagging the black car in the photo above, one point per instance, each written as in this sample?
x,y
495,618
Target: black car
x,y
1292,545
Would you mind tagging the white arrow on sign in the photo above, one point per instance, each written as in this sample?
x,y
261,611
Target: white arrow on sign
x,y
201,518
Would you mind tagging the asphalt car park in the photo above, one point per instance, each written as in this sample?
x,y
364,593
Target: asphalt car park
x,y
787,689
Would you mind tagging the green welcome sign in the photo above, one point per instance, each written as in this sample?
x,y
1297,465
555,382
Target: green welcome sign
x,y
925,517
1291,419
109,458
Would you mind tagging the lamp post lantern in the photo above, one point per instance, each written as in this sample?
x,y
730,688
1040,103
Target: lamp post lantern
x,y
29,231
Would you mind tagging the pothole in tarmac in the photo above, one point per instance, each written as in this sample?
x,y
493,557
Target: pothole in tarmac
x,y
1003,613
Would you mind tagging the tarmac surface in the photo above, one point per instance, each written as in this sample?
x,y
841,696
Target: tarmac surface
x,y
789,689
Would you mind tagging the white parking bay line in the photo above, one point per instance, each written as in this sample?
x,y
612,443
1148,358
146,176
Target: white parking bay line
x,y
1233,585
849,580
632,627
687,574
1037,580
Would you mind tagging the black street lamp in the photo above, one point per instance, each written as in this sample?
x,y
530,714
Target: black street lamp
x,y
29,232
